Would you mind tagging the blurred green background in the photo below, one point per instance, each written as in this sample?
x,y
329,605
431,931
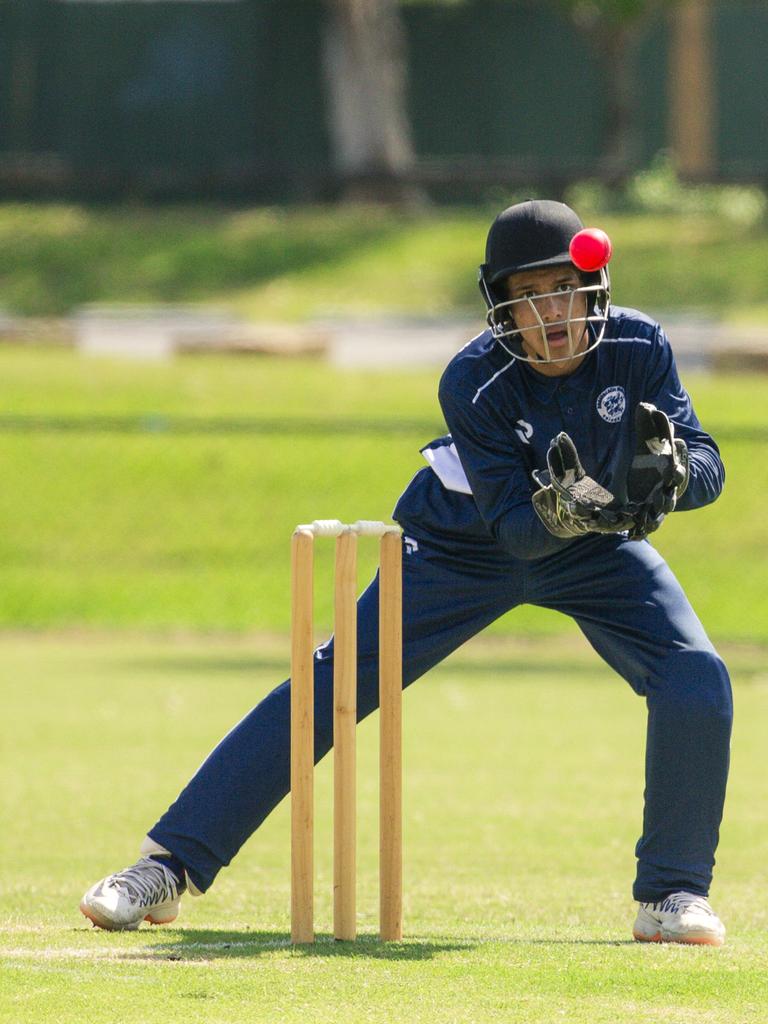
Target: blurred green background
x,y
162,495
299,165
678,248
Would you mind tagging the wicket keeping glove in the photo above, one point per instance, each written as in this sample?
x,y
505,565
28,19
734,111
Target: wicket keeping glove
x,y
570,503
659,471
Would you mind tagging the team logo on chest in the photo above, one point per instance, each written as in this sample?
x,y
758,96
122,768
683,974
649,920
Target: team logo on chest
x,y
611,403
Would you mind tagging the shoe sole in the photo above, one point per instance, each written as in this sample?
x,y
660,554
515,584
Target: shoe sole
x,y
110,926
691,941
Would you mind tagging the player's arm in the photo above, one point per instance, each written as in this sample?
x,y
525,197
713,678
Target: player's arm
x,y
498,476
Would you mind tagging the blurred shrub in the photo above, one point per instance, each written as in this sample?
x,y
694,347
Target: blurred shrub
x,y
658,189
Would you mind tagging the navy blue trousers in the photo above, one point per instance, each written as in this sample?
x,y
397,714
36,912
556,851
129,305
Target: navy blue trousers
x,y
632,610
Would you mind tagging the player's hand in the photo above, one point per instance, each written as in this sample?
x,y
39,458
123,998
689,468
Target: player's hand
x,y
569,502
659,471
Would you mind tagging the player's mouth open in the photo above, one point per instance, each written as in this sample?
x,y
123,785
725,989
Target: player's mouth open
x,y
557,337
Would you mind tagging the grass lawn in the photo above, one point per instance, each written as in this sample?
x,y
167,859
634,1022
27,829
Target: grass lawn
x,y
145,518
305,263
117,510
523,801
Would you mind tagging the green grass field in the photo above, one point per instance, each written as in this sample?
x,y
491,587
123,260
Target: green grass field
x,y
520,825
144,522
144,526
163,497
306,263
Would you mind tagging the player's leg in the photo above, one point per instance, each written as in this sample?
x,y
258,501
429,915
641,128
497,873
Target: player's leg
x,y
635,614
248,773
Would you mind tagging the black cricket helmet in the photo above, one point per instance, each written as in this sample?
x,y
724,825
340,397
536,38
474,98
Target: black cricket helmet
x,y
529,236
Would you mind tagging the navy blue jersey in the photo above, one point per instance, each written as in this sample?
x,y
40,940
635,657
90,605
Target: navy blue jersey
x,y
502,414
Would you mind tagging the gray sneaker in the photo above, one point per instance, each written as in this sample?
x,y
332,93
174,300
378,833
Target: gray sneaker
x,y
147,891
681,917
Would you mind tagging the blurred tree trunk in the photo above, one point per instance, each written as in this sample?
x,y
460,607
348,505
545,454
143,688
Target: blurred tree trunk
x,y
619,154
365,69
693,95
613,28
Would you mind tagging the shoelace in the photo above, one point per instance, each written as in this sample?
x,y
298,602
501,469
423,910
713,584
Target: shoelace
x,y
147,882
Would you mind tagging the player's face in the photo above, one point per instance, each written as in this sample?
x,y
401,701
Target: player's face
x,y
542,318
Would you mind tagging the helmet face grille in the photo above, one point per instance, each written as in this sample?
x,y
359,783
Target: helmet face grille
x,y
501,320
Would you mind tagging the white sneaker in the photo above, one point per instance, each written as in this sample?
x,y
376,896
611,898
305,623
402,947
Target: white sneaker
x,y
681,917
147,891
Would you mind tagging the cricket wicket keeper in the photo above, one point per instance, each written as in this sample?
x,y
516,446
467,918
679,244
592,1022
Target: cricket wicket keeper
x,y
571,439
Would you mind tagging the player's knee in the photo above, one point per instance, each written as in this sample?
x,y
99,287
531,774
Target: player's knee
x,y
718,693
700,681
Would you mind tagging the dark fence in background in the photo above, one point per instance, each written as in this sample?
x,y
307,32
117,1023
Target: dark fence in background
x,y
740,35
110,98
103,99
515,83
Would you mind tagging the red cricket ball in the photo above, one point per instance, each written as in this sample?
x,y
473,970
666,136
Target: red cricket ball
x,y
590,249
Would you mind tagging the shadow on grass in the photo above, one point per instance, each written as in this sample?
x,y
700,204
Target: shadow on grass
x,y
211,664
195,944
